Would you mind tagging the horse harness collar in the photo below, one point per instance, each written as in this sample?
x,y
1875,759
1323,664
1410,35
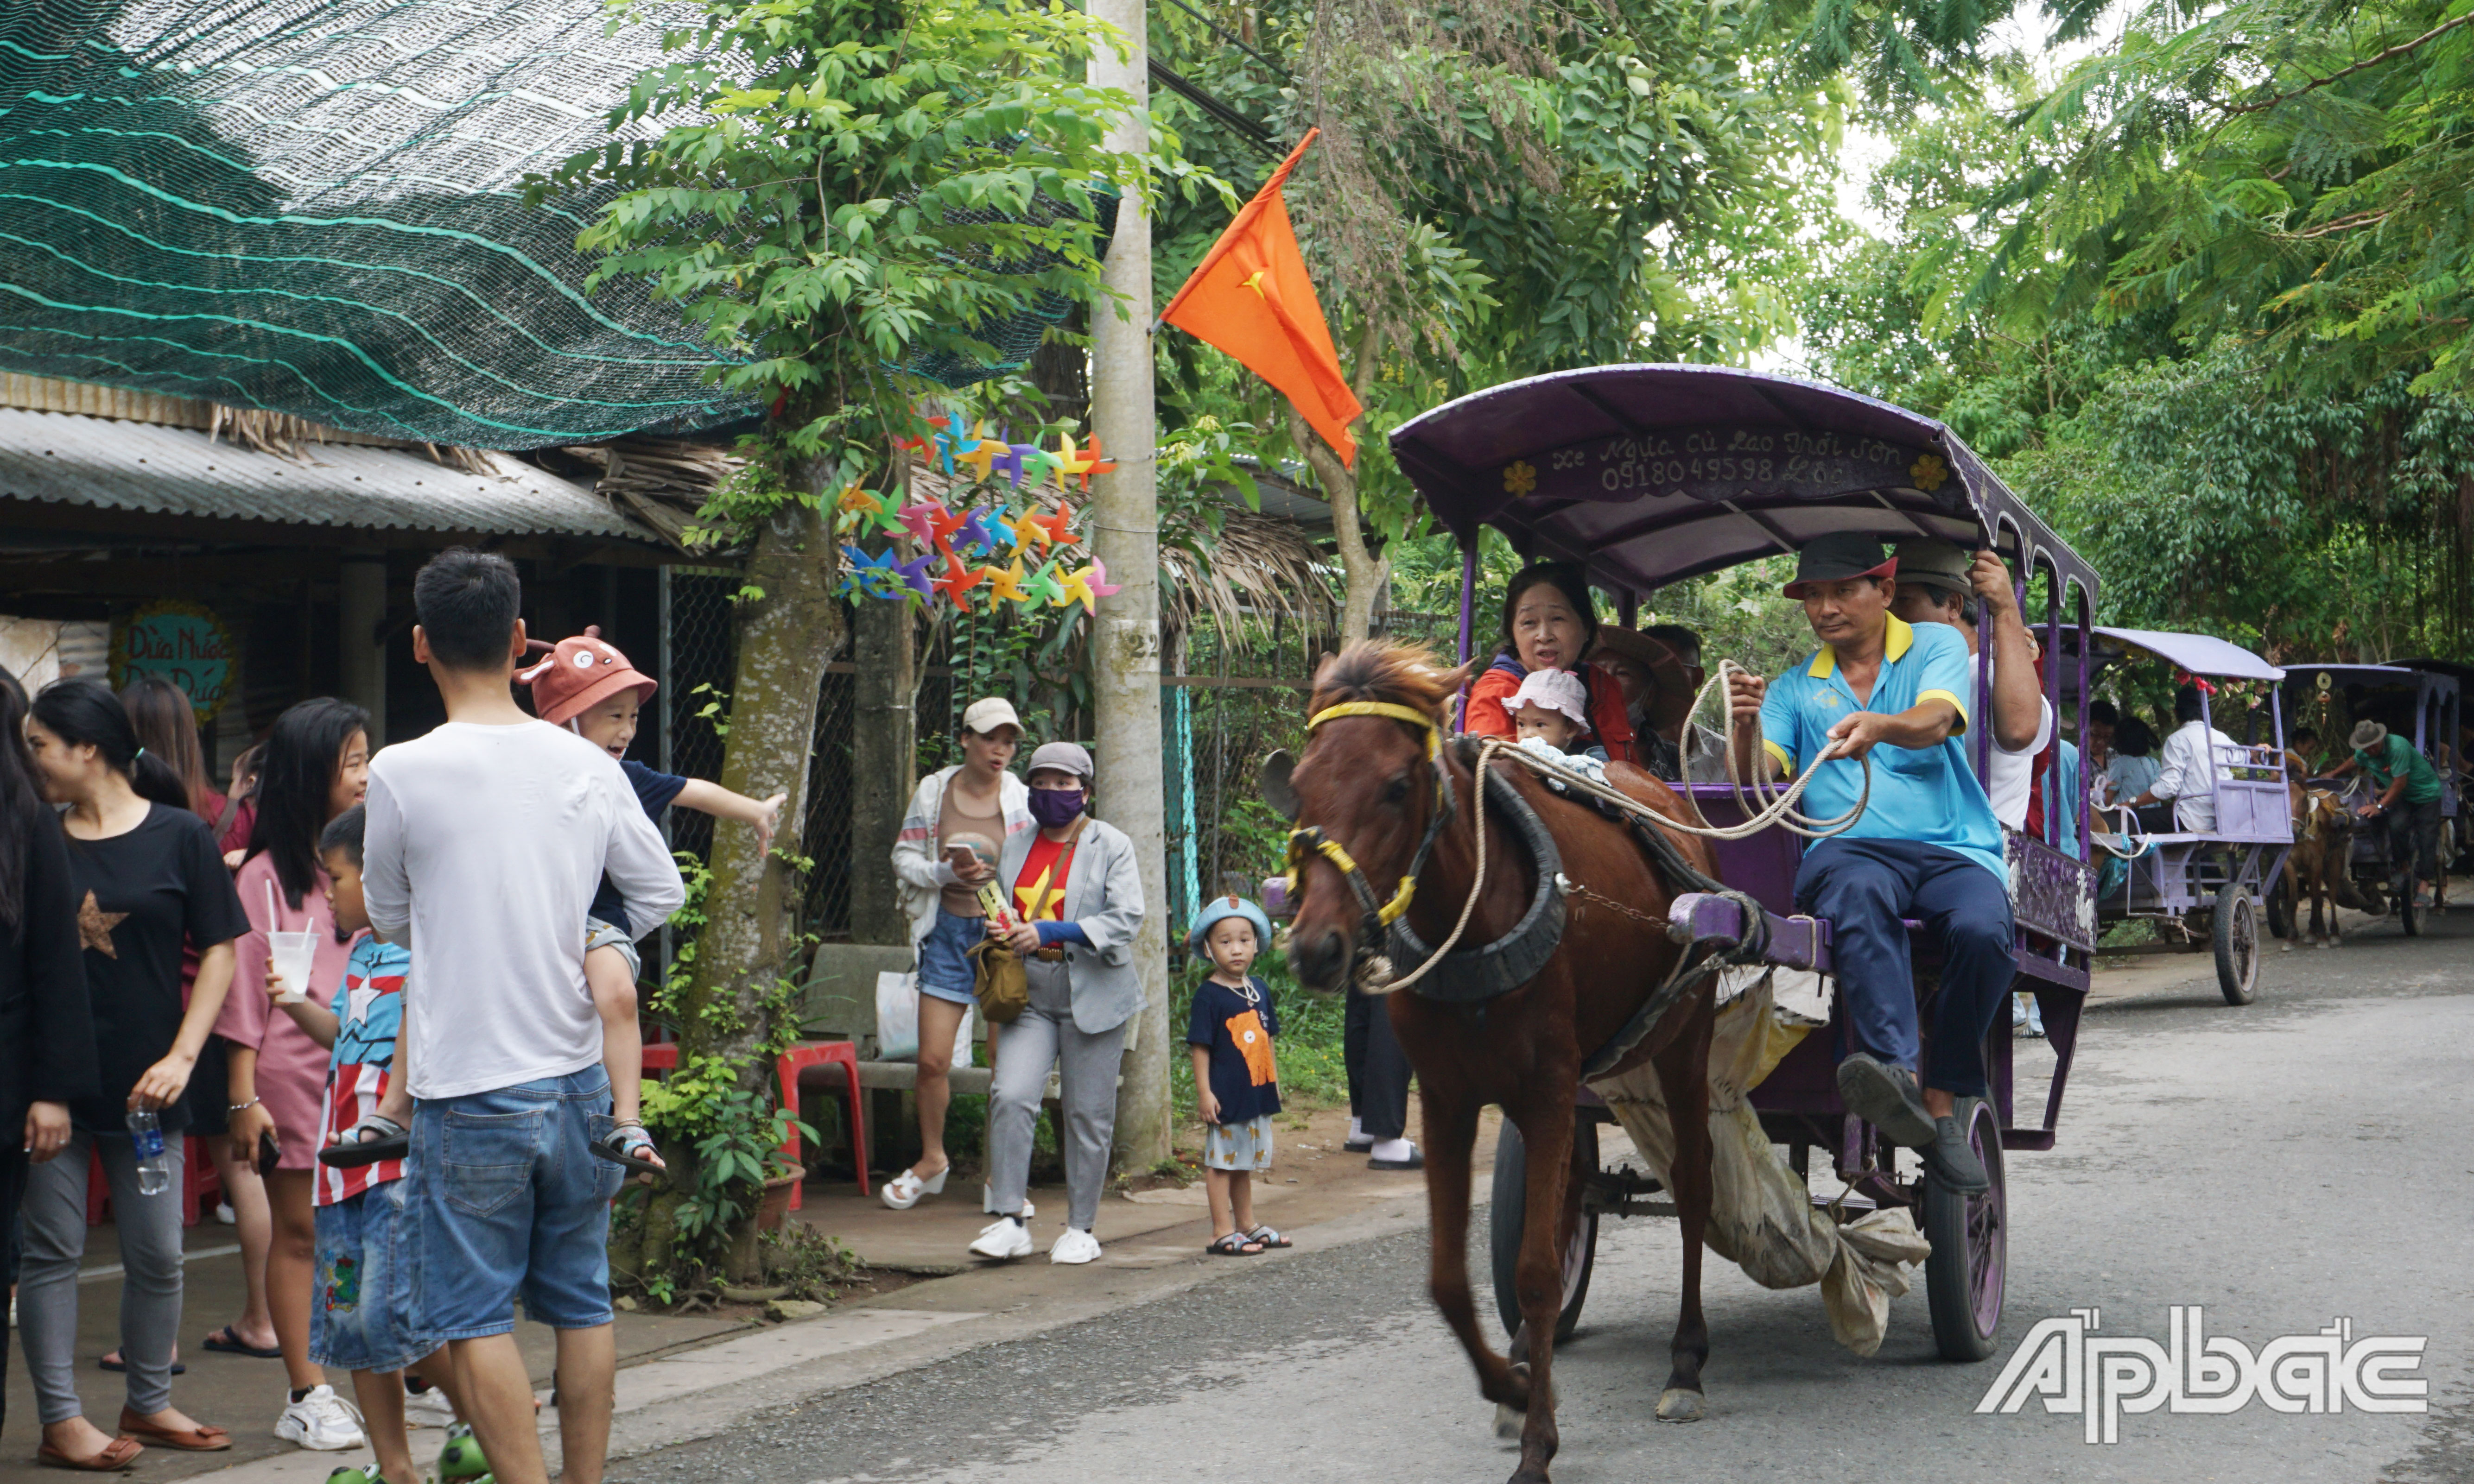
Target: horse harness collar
x,y
1474,976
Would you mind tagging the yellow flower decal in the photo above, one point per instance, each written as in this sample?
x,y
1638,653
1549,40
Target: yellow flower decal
x,y
1519,477
1929,472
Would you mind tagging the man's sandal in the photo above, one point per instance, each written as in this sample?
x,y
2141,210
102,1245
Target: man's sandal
x,y
374,1138
629,1145
1236,1244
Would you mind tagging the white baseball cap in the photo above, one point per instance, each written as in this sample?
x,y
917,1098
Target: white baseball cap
x,y
989,712
1556,690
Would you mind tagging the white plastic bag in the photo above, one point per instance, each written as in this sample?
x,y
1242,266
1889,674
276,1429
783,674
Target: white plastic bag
x,y
897,1021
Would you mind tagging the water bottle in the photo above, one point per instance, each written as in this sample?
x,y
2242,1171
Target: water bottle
x,y
154,1165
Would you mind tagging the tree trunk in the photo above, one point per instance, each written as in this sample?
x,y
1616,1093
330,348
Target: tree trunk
x,y
784,638
1125,652
1364,571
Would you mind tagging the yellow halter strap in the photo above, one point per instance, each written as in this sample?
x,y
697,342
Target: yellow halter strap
x,y
1397,712
1305,841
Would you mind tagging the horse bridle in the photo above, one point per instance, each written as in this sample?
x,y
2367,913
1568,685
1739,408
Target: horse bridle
x,y
1468,976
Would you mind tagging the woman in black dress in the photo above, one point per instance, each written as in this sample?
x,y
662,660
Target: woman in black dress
x,y
46,1039
145,878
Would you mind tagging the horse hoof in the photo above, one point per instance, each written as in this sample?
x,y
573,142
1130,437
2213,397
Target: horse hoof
x,y
1506,1422
1677,1406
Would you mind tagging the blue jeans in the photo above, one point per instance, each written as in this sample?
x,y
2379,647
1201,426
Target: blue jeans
x,y
1864,888
507,1200
945,970
359,1318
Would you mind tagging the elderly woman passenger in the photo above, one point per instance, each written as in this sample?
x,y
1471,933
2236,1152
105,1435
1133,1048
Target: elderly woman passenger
x,y
1549,624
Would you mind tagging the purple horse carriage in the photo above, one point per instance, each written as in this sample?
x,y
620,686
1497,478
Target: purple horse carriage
x,y
1651,474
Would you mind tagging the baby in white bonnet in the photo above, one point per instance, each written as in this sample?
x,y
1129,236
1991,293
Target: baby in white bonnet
x,y
1549,713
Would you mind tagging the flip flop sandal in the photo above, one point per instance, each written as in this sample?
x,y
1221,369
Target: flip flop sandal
x,y
225,1341
117,1456
111,1361
622,1144
204,1437
1236,1244
1269,1238
394,1141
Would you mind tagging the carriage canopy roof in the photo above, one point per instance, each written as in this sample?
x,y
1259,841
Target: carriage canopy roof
x,y
1650,474
2198,654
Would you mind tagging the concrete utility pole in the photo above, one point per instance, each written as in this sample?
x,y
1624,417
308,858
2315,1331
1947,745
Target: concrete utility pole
x,y
1124,536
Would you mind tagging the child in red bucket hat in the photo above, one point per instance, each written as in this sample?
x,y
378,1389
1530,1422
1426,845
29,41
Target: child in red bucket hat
x,y
587,686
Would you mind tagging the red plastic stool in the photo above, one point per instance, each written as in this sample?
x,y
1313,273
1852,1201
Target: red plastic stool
x,y
789,1068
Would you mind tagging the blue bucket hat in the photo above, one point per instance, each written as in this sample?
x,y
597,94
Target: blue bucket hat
x,y
1232,906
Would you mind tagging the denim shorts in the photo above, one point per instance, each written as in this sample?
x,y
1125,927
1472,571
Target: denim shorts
x,y
598,934
945,970
507,1201
360,1314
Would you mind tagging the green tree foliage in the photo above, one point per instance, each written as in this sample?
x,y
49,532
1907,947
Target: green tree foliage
x,y
2223,471
1499,191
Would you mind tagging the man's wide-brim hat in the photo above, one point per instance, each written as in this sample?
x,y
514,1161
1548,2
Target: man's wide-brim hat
x,y
1936,563
2368,736
1840,557
578,675
1658,658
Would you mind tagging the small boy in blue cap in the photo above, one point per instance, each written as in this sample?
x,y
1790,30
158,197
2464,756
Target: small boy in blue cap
x,y
1236,1083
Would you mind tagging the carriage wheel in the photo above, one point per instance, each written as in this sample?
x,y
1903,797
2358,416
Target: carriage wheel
x,y
1509,1208
2409,916
1971,1249
2273,903
2236,932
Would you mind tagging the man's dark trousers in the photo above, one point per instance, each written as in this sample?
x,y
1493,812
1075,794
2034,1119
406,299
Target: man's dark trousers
x,y
1378,1070
1864,888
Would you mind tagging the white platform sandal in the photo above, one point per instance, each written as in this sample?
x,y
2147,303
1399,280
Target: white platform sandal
x,y
904,1190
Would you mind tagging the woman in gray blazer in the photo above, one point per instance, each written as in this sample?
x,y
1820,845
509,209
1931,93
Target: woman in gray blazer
x,y
1074,885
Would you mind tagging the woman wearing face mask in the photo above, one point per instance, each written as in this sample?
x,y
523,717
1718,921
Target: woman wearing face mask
x,y
145,878
1549,624
317,765
959,821
1075,889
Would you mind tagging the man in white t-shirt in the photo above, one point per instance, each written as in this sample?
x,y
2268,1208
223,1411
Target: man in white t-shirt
x,y
1939,583
487,839
2195,758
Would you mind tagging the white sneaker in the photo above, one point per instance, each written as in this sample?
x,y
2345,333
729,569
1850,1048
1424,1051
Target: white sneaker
x,y
1004,1239
224,1214
322,1421
988,1203
1076,1246
427,1409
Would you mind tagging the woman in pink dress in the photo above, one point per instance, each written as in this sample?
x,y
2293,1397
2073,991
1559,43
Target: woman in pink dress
x,y
316,766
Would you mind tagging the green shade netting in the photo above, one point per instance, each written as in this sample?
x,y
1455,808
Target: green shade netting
x,y
316,207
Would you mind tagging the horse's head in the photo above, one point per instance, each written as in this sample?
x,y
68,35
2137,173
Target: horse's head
x,y
1366,784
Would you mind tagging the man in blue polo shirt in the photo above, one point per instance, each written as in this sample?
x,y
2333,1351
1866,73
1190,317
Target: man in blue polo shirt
x,y
1926,845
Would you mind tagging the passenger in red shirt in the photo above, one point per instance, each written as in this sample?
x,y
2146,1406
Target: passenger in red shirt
x,y
1549,624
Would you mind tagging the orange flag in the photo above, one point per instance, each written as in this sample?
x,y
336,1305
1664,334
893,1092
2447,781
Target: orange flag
x,y
1251,297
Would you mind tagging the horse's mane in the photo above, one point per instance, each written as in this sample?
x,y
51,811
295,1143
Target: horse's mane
x,y
1401,674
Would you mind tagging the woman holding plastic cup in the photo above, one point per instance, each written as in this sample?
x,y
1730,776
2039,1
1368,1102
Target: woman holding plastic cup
x,y
145,878
316,766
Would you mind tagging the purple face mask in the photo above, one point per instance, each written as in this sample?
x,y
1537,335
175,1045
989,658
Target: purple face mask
x,y
1055,807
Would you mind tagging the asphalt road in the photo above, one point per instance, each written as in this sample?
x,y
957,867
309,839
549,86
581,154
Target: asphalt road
x,y
2301,1159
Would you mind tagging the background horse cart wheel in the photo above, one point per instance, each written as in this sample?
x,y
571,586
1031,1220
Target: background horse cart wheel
x,y
1507,1209
2235,931
1971,1249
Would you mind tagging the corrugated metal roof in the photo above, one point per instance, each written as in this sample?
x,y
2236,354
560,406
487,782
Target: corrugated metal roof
x,y
108,464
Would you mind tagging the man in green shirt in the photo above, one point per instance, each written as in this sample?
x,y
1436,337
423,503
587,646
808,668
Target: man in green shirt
x,y
2408,795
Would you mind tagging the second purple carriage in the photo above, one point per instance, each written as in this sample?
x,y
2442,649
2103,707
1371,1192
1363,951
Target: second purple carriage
x,y
1651,474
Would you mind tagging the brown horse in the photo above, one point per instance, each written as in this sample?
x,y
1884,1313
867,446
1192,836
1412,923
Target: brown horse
x,y
1367,784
